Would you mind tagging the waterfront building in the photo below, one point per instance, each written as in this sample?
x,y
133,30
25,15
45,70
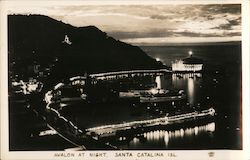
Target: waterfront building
x,y
189,64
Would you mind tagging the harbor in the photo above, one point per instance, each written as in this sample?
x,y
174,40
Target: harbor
x,y
74,88
64,96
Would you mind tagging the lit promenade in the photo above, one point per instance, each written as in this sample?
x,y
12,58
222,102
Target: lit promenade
x,y
122,74
112,129
132,72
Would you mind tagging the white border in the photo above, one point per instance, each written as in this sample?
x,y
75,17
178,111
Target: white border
x,y
181,154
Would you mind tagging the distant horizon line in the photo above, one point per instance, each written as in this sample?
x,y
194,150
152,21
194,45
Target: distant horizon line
x,y
188,44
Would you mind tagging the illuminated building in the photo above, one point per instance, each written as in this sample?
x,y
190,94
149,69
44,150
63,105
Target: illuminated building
x,y
189,64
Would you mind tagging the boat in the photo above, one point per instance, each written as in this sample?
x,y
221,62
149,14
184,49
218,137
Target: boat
x,y
154,95
189,64
162,95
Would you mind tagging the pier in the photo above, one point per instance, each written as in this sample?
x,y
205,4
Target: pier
x,y
132,73
111,130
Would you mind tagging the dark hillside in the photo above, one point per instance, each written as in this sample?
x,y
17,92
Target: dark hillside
x,y
40,38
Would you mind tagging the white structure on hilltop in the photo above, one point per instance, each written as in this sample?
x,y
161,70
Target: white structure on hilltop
x,y
66,40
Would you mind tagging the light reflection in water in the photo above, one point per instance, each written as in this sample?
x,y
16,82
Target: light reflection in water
x,y
167,136
191,90
135,141
158,82
186,80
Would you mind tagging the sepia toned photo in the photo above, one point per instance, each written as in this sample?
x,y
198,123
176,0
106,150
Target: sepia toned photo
x,y
125,77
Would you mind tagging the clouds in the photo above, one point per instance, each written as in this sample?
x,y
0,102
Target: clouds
x,y
154,22
179,40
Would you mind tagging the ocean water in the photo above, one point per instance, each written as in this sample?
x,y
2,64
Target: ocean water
x,y
218,86
212,55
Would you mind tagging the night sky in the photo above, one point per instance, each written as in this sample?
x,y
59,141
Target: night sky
x,y
152,24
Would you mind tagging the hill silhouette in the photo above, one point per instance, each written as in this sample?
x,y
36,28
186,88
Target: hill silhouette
x,y
88,49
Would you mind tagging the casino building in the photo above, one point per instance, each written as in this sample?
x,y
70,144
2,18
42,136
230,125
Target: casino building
x,y
189,64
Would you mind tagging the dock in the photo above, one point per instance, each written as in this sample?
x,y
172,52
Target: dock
x,y
112,130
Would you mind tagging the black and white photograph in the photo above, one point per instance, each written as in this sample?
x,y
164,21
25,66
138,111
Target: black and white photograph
x,y
124,77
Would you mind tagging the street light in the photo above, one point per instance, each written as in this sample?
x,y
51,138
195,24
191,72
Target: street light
x,y
190,53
